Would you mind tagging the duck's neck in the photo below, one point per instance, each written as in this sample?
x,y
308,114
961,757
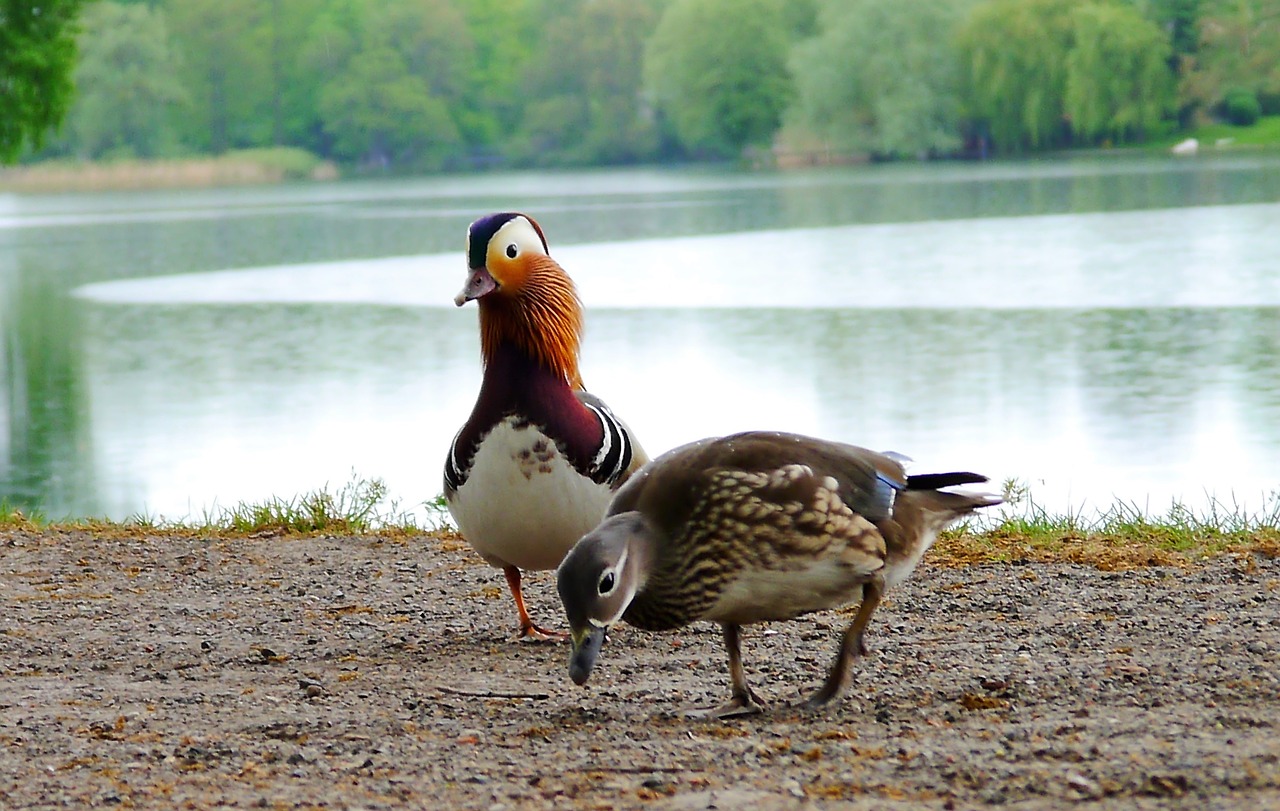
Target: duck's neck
x,y
543,321
651,580
516,386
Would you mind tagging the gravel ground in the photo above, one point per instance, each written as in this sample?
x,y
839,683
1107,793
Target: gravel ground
x,y
343,673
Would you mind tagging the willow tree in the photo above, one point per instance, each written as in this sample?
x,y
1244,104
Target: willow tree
x,y
1041,73
1015,58
1118,81
881,76
582,85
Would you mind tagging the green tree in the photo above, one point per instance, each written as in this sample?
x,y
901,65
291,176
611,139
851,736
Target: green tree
x,y
225,68
397,81
1014,56
882,76
1239,49
505,34
125,81
292,88
37,56
584,84
718,70
380,114
1118,80
1179,18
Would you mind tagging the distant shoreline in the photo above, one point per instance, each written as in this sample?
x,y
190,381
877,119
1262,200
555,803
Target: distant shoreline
x,y
244,167
282,164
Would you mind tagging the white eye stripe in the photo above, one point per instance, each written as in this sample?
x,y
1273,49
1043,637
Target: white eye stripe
x,y
517,233
623,604
614,572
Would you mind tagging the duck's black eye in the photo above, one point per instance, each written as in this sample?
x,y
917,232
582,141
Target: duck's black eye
x,y
606,583
512,250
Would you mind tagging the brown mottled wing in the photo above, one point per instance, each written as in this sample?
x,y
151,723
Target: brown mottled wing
x,y
760,501
667,489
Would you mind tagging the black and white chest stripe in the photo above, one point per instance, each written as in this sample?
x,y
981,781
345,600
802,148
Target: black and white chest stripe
x,y
615,454
454,475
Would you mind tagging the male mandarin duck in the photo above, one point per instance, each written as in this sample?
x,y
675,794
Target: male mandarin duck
x,y
753,527
535,465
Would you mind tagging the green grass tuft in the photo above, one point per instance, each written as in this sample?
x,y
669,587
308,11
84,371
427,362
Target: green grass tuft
x,y
360,506
438,517
356,508
14,517
1121,536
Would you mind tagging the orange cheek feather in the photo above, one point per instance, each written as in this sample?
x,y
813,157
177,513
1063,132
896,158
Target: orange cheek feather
x,y
510,274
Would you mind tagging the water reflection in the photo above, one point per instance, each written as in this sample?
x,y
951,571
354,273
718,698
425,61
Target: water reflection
x,y
1203,256
857,303
1088,405
42,388
253,401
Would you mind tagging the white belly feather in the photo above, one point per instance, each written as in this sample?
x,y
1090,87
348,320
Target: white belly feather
x,y
523,503
757,595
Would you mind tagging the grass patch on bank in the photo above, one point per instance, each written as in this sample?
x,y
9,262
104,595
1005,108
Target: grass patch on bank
x,y
359,507
1262,134
353,509
239,167
1123,536
13,517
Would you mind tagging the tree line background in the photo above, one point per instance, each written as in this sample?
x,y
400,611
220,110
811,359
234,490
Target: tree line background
x,y
454,84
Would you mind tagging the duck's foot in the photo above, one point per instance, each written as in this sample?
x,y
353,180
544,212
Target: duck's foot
x,y
528,631
819,700
532,633
740,706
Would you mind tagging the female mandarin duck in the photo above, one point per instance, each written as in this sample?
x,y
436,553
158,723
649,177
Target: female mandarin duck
x,y
536,463
753,527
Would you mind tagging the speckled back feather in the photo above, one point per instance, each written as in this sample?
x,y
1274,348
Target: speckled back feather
x,y
757,501
753,521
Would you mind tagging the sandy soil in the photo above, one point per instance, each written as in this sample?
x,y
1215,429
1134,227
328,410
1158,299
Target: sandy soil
x,y
365,673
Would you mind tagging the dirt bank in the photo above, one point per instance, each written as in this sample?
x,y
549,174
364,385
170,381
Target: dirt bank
x,y
364,673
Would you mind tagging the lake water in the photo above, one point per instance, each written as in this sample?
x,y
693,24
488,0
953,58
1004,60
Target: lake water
x,y
1101,329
